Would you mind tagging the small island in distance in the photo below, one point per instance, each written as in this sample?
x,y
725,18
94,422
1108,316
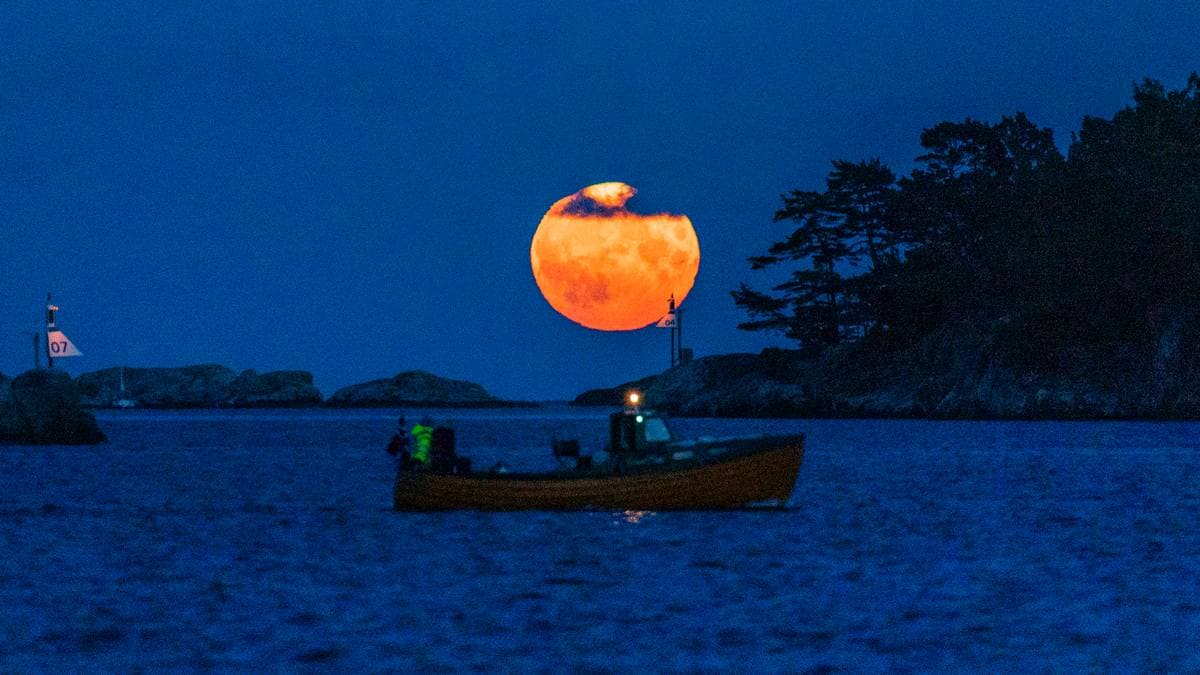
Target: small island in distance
x,y
46,406
216,386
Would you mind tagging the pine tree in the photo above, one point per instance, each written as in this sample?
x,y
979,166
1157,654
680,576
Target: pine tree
x,y
811,306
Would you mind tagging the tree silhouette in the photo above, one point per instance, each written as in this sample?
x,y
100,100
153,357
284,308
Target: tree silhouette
x,y
1094,251
835,230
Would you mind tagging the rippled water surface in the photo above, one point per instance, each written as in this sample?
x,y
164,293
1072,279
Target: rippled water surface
x,y
227,540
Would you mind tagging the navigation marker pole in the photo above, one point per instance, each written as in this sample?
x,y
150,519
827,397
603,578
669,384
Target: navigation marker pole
x,y
679,329
671,313
668,320
37,350
57,344
50,326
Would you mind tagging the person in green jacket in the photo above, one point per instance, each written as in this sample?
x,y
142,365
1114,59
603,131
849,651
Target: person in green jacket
x,y
423,435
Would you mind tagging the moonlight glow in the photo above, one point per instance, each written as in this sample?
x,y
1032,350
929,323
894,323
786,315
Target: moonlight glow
x,y
605,267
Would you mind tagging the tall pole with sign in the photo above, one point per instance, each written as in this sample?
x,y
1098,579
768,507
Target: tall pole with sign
x,y
679,332
50,327
57,344
671,313
37,347
668,321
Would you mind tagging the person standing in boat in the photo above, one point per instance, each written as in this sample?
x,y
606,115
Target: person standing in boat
x,y
398,447
423,435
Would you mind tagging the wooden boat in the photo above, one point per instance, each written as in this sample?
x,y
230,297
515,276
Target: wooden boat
x,y
646,470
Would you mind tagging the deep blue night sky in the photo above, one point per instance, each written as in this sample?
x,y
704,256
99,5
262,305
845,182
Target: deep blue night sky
x,y
353,191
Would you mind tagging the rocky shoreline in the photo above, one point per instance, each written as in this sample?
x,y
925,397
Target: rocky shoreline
x,y
958,372
42,407
215,386
200,386
49,407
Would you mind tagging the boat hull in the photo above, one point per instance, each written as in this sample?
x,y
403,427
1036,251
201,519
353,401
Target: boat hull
x,y
758,477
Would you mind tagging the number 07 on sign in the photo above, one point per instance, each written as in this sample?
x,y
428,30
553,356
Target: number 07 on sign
x,y
58,346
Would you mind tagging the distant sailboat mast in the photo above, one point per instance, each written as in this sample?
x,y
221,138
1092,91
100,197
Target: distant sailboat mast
x,y
124,401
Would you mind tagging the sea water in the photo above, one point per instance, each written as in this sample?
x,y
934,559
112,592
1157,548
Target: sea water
x,y
233,540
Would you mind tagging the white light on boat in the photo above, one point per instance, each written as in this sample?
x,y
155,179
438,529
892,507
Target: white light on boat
x,y
634,398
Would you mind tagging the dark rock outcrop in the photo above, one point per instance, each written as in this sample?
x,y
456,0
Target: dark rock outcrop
x,y
612,396
201,386
42,407
277,389
958,372
417,388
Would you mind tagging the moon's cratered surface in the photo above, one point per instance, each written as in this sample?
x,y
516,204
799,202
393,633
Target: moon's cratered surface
x,y
606,267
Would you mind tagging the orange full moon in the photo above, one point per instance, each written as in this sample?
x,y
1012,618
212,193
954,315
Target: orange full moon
x,y
606,267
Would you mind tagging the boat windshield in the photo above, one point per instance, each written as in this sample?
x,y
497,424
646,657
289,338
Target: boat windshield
x,y
656,430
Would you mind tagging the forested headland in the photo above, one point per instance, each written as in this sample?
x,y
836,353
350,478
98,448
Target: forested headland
x,y
1002,277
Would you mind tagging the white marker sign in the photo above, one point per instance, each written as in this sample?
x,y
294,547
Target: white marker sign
x,y
58,346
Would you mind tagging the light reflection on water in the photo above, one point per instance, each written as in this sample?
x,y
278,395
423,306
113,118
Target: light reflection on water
x,y
632,516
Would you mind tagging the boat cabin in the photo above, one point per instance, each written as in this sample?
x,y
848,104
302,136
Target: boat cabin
x,y
637,432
